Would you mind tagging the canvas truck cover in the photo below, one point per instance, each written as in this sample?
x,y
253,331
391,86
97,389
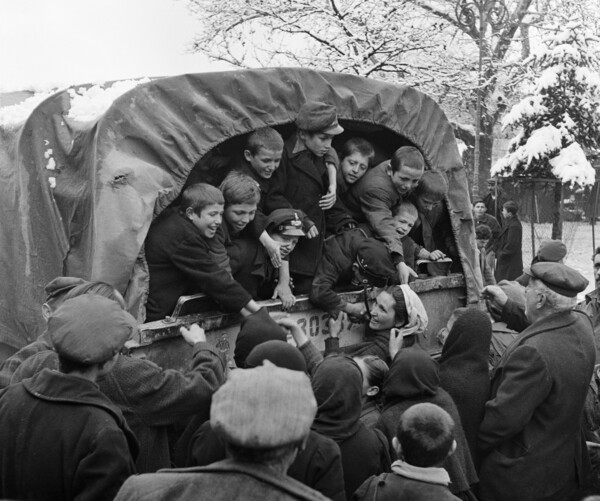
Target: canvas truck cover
x,y
78,196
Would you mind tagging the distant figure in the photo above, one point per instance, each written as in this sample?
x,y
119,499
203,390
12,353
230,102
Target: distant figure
x,y
264,415
60,437
509,253
423,441
494,200
482,217
483,234
531,438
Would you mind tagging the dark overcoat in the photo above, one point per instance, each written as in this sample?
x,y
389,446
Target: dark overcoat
x,y
61,439
180,261
509,255
530,436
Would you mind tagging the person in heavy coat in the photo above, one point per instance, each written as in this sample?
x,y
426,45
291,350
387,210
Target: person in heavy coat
x,y
531,438
303,182
509,254
151,399
318,465
60,437
464,372
260,449
414,378
382,188
337,385
181,259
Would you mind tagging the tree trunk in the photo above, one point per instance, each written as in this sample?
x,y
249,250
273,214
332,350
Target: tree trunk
x,y
557,226
486,145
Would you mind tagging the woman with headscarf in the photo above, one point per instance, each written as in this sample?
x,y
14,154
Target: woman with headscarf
x,y
337,384
464,370
413,379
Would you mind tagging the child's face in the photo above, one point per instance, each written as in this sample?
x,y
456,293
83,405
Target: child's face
x,y
482,242
209,219
406,179
264,162
425,203
239,215
288,243
354,167
318,143
479,209
403,222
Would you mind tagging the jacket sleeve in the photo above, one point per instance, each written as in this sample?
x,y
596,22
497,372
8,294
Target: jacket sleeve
x,y
376,204
513,314
328,476
193,259
275,198
322,293
160,397
206,447
524,384
312,356
102,472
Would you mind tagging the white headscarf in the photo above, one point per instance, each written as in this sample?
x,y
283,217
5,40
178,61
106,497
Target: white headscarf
x,y
415,311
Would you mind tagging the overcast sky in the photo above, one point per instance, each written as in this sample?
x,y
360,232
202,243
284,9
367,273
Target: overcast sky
x,y
58,42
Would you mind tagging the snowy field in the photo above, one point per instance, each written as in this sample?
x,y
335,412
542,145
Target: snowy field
x,y
578,239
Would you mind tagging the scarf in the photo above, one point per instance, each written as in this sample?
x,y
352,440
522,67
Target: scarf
x,y
417,316
429,475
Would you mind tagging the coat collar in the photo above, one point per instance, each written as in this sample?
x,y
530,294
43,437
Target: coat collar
x,y
295,149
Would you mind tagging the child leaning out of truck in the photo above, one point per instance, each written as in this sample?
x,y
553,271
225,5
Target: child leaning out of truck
x,y
356,156
303,181
181,260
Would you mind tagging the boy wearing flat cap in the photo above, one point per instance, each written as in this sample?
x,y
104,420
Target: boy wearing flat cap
x,y
538,392
60,437
264,415
306,180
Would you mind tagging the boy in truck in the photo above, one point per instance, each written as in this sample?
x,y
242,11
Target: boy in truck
x,y
306,180
181,260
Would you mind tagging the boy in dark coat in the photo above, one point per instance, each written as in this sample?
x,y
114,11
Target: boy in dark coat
x,y
183,260
382,188
509,252
424,439
306,180
60,437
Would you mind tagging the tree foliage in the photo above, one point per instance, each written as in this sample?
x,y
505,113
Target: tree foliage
x,y
560,116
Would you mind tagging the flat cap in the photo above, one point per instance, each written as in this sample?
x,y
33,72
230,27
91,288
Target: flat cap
x,y
286,222
559,277
62,285
90,329
551,250
315,116
375,262
264,407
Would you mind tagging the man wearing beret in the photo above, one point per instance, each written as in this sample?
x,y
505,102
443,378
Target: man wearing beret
x,y
307,180
264,415
530,436
60,437
591,304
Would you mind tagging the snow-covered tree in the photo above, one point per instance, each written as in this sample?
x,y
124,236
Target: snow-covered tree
x,y
559,120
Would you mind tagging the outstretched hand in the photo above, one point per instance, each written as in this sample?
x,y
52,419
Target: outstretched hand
x,y
194,334
294,329
405,272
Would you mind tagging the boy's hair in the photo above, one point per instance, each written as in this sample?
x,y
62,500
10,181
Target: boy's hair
x,y
407,155
377,370
426,435
237,188
200,195
407,207
266,138
433,185
483,232
358,145
511,207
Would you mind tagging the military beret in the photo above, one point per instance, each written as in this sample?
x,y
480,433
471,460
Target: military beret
x,y
263,407
551,250
61,285
375,262
315,116
559,277
286,222
90,329
279,353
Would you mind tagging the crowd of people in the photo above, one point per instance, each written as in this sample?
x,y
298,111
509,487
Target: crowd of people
x,y
508,412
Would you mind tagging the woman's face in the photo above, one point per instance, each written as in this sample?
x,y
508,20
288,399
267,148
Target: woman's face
x,y
383,315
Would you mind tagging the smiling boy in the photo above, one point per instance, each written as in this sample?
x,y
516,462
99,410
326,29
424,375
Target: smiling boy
x,y
181,260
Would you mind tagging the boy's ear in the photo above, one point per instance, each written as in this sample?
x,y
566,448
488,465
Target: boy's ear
x,y
46,311
248,156
397,447
388,169
189,212
452,449
372,391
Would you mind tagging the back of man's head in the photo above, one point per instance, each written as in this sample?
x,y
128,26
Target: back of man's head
x,y
433,186
426,435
